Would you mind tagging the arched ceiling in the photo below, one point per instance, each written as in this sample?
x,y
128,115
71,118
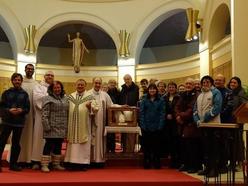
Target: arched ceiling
x,y
3,36
93,37
170,32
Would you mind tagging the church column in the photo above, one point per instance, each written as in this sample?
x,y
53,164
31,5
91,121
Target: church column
x,y
239,39
23,60
125,66
205,61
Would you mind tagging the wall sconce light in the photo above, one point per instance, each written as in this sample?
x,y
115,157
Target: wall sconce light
x,y
124,38
29,36
195,25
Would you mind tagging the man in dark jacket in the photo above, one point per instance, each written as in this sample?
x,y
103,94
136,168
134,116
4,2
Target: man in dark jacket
x,y
114,94
129,96
226,117
190,157
129,92
14,105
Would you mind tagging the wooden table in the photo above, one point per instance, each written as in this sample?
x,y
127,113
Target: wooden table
x,y
125,130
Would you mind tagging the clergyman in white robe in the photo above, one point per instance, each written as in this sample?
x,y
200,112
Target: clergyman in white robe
x,y
97,149
38,142
79,129
26,140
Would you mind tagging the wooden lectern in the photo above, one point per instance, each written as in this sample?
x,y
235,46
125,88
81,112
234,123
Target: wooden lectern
x,y
241,114
123,120
234,128
129,116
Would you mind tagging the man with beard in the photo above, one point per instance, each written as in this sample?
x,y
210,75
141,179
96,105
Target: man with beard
x,y
26,141
14,105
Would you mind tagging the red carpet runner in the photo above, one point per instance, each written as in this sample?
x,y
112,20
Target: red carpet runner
x,y
113,176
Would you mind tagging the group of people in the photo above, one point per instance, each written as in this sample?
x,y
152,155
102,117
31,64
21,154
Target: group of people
x,y
170,121
42,118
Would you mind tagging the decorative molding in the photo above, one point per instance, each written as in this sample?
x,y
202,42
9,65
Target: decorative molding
x,y
170,75
221,43
170,70
221,48
65,74
227,57
7,61
84,68
170,63
96,1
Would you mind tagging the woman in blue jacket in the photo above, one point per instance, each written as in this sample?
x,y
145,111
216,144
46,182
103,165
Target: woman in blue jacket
x,y
152,120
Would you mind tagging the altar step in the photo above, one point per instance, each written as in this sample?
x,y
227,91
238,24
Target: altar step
x,y
129,159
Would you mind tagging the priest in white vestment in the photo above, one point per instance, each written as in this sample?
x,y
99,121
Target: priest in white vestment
x,y
39,92
79,127
104,101
26,140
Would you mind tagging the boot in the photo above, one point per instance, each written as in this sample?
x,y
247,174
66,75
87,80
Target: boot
x,y
15,167
56,162
44,163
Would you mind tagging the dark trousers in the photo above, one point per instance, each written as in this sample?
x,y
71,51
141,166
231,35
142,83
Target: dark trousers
x,y
15,147
128,142
151,148
111,142
212,145
191,153
174,150
53,145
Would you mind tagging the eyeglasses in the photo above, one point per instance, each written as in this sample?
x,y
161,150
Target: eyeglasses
x,y
49,75
29,69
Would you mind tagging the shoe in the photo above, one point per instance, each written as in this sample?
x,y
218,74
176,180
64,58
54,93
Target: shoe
x,y
192,171
44,168
238,168
157,166
157,163
147,166
183,168
36,167
223,170
174,166
202,172
83,169
15,168
212,173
